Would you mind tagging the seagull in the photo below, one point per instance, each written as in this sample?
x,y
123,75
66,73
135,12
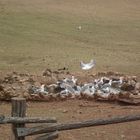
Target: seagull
x,y
99,82
64,92
106,87
37,90
119,80
88,89
87,66
114,90
107,84
42,88
53,85
71,82
103,94
77,90
33,89
67,88
79,27
117,83
74,80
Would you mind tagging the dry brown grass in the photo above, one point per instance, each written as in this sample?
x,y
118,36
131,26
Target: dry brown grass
x,y
38,34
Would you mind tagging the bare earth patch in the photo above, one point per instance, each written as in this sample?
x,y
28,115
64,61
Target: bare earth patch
x,y
72,110
34,33
76,110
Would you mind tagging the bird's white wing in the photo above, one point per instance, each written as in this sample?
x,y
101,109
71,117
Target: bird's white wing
x,y
92,63
87,66
68,87
82,64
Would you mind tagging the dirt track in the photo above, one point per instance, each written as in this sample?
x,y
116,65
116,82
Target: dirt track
x,y
75,110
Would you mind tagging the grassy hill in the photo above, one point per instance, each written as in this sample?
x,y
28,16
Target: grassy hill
x,y
39,34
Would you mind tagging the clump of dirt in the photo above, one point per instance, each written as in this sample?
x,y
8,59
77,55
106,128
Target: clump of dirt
x,y
19,84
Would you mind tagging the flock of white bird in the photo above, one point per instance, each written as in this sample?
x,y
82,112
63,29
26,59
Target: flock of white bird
x,y
103,86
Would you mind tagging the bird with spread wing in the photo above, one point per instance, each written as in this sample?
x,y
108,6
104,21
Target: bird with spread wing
x,y
87,66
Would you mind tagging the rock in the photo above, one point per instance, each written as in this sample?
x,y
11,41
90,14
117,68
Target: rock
x,y
2,117
26,95
65,111
63,69
79,112
130,101
1,88
125,95
137,86
73,117
51,89
47,72
127,87
31,80
123,136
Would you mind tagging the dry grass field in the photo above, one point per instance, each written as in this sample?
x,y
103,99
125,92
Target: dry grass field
x,y
40,34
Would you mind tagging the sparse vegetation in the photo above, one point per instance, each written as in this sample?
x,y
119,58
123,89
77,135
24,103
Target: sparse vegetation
x,y
39,34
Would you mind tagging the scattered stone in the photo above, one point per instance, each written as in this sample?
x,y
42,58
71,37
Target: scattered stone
x,y
137,86
47,72
65,111
127,87
1,88
79,112
123,136
2,117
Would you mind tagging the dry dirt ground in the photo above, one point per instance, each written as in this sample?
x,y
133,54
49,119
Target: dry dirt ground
x,y
34,33
76,110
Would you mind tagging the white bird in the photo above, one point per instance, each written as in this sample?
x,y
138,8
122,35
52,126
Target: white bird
x,y
114,90
68,88
65,92
53,85
88,89
71,82
36,90
106,87
79,27
74,80
117,83
103,94
99,82
42,89
87,66
77,90
107,84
